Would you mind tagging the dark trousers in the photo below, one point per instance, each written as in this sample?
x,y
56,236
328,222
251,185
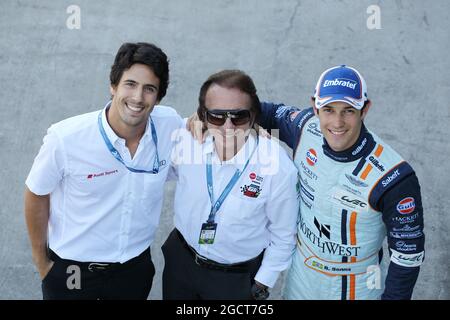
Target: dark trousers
x,y
68,279
183,278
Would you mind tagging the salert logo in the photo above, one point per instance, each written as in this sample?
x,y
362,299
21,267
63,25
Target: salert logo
x,y
390,178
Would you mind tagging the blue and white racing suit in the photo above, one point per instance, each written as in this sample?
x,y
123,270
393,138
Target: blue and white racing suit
x,y
349,202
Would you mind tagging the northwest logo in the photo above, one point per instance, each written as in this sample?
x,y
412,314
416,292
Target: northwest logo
x,y
406,206
311,157
324,229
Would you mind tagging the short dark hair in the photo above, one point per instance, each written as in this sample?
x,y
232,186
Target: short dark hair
x,y
362,109
145,53
231,79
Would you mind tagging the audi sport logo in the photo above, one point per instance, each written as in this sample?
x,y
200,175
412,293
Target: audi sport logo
x,y
311,157
406,206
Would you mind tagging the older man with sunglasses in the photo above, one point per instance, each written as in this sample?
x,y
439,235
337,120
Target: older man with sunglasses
x,y
235,202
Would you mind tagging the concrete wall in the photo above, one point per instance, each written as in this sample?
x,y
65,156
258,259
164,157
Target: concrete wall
x,y
49,72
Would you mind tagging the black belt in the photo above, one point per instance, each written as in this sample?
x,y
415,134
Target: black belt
x,y
100,266
240,267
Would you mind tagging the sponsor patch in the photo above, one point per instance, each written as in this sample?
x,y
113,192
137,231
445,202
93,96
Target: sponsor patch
x,y
406,206
313,129
102,174
407,260
351,190
281,111
355,181
342,82
406,232
293,115
377,163
406,228
404,247
406,235
360,147
322,244
349,200
390,178
251,191
304,183
306,192
311,157
305,201
406,219
308,172
324,229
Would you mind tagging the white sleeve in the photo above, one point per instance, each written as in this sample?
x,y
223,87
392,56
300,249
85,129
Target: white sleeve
x,y
48,166
282,212
184,149
176,140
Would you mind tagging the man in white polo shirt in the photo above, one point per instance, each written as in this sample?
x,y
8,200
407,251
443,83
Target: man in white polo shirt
x,y
235,207
94,193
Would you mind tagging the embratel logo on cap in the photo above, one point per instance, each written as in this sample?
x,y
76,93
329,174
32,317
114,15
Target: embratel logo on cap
x,y
311,157
343,84
406,206
340,82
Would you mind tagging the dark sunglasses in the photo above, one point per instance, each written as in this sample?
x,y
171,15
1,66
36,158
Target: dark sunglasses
x,y
237,117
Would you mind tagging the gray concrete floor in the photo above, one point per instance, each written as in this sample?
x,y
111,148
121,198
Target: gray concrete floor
x,y
49,72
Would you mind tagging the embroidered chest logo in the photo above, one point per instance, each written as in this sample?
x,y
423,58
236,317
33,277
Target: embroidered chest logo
x,y
311,157
406,206
96,175
253,190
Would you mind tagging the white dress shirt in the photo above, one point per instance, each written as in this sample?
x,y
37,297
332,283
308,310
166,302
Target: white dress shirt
x,y
99,210
259,213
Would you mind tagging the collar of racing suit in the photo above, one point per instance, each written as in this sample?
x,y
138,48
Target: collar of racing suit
x,y
362,147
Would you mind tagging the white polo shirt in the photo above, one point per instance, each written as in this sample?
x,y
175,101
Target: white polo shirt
x,y
259,213
99,210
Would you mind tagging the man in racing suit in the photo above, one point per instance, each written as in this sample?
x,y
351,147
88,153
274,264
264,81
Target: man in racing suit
x,y
353,190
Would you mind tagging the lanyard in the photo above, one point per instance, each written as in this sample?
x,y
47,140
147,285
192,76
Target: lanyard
x,y
116,154
209,179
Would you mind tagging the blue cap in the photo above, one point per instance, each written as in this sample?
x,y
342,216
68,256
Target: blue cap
x,y
341,83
